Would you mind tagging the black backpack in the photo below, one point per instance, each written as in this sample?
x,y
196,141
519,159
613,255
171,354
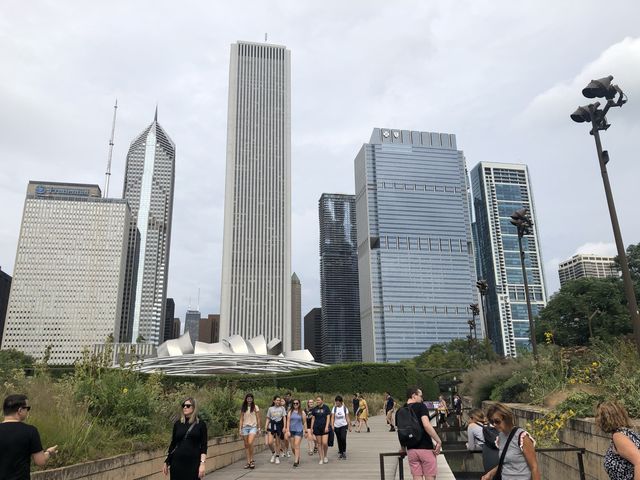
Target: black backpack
x,y
409,427
490,434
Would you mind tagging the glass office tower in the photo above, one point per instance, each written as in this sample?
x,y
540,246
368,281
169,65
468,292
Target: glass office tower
x,y
415,253
340,339
499,189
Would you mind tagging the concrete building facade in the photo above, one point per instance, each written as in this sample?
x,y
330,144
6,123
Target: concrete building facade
x,y
69,276
340,338
587,265
296,313
148,187
499,189
256,260
415,254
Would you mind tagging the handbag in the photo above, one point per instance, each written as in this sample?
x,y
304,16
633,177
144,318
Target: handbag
x,y
331,438
498,475
170,454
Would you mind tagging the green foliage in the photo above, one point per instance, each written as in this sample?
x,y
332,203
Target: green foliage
x,y
514,389
583,404
567,314
481,381
633,258
456,354
12,360
220,411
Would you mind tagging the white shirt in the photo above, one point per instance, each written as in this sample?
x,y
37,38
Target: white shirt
x,y
340,416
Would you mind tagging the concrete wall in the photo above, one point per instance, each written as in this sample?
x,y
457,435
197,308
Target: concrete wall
x,y
580,433
222,451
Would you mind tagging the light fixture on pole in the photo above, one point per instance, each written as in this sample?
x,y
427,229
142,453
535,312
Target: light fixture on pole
x,y
522,221
602,88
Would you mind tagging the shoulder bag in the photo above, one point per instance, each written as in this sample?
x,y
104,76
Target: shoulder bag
x,y
170,455
504,454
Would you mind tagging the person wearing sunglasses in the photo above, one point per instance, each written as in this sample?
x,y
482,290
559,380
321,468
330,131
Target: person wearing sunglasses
x,y
516,448
296,428
188,449
20,442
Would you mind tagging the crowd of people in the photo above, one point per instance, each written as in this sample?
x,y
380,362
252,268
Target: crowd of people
x,y
508,451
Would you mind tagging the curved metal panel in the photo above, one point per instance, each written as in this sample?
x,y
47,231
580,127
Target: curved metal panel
x,y
258,345
237,344
304,355
203,348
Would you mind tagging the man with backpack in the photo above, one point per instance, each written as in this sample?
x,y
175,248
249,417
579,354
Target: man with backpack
x,y
418,437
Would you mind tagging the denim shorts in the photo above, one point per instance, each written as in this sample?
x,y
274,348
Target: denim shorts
x,y
296,434
248,430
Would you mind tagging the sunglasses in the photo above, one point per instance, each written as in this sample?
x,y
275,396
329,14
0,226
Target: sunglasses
x,y
26,408
186,405
296,403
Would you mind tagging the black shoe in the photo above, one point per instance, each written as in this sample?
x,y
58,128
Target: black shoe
x,y
368,430
392,429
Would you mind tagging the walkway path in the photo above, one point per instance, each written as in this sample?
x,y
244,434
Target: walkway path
x,y
363,461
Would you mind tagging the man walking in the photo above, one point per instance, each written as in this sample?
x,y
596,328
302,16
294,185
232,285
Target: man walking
x,y
19,442
389,406
421,441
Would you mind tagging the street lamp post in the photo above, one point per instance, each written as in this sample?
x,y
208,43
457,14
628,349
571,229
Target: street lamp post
x,y
483,288
522,221
592,113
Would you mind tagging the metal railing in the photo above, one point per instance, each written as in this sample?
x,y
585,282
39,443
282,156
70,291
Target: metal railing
x,y
400,456
579,453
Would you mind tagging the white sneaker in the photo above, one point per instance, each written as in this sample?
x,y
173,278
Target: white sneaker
x,y
277,460
326,459
288,454
320,462
273,458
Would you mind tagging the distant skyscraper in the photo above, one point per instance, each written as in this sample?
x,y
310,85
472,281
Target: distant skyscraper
x,y
296,313
415,254
499,189
587,265
169,314
69,277
209,330
256,260
340,339
192,325
5,288
312,325
148,187
175,332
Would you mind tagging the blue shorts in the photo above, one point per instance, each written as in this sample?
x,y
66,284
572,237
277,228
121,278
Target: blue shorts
x,y
296,434
248,430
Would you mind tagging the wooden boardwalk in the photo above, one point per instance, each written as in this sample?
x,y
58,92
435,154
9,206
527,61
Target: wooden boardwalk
x,y
363,461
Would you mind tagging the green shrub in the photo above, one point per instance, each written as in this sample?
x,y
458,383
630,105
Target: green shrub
x,y
480,382
514,389
582,404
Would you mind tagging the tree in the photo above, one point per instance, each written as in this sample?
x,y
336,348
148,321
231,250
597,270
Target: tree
x,y
585,305
13,360
456,354
633,257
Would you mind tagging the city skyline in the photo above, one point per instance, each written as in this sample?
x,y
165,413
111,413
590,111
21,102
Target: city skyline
x,y
335,105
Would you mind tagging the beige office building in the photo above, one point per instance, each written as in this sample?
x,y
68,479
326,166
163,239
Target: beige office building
x,y
256,258
69,276
587,265
296,313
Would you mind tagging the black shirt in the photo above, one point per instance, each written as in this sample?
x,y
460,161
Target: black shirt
x,y
320,414
389,404
420,409
18,441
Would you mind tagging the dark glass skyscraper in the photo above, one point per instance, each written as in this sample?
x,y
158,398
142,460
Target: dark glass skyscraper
x,y
340,339
499,189
169,314
5,288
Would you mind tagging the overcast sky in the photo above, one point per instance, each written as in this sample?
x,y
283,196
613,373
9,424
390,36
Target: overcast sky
x,y
501,75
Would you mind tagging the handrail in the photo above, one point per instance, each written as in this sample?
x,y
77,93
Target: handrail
x,y
579,452
400,455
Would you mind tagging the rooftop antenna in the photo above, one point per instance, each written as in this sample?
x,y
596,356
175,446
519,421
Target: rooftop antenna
x,y
113,130
265,38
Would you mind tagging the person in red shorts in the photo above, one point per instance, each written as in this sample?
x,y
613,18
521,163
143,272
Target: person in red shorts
x,y
422,457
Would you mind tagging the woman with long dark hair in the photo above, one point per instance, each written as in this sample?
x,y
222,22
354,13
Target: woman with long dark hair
x,y
275,427
311,439
188,448
249,426
296,428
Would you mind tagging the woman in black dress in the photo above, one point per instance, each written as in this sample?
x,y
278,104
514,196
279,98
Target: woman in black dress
x,y
188,449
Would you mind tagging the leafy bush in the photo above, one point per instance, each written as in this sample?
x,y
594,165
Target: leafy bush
x,y
480,382
583,404
514,389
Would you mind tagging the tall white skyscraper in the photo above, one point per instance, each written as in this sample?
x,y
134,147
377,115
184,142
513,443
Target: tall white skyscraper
x,y
499,189
148,187
69,282
256,260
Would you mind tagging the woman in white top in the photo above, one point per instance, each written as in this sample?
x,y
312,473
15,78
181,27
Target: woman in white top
x,y
275,426
249,426
340,422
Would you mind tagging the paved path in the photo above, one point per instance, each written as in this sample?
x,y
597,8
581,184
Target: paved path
x,y
363,461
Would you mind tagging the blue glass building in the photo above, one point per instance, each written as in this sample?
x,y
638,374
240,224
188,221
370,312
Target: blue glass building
x,y
415,253
499,189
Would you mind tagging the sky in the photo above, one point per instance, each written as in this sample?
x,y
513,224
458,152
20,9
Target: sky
x,y
501,75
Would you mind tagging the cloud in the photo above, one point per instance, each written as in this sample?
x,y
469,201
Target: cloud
x,y
597,248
